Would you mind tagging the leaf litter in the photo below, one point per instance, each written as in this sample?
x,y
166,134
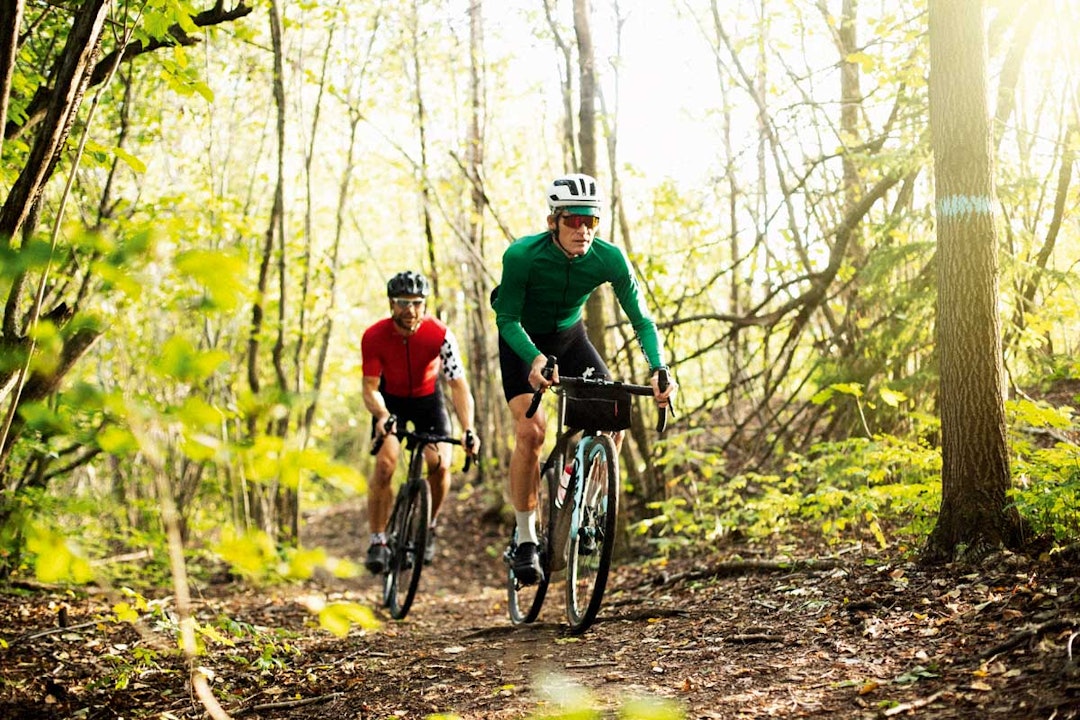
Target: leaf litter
x,y
815,634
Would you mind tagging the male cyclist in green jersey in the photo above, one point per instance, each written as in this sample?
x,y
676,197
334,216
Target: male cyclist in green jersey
x,y
546,280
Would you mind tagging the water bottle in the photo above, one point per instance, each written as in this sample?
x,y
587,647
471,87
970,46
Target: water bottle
x,y
564,482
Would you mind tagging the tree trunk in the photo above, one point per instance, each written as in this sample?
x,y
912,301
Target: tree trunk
x,y
570,155
273,510
974,517
595,309
10,19
72,76
426,200
482,379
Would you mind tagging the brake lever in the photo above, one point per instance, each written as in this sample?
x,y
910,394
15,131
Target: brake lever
x,y
538,394
389,427
465,443
662,382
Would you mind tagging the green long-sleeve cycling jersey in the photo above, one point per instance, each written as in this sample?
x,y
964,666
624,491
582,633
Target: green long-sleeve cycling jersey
x,y
544,291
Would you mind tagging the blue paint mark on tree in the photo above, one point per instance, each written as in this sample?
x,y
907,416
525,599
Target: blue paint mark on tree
x,y
960,206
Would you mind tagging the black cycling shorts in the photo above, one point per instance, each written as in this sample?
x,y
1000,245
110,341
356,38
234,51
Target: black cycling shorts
x,y
571,348
427,414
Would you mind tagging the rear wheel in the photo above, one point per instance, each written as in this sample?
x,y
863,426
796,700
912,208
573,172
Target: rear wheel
x,y
407,538
592,533
524,601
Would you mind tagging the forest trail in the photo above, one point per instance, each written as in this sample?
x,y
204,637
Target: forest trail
x,y
733,635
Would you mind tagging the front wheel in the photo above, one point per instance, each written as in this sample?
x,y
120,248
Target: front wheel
x,y
407,538
524,601
592,532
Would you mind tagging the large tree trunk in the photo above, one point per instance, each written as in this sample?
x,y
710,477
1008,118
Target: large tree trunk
x,y
974,515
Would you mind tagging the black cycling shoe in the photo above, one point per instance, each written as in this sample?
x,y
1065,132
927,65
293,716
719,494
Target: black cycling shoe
x,y
378,558
526,566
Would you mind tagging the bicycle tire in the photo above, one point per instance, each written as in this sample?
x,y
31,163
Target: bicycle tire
x,y
525,601
591,541
407,538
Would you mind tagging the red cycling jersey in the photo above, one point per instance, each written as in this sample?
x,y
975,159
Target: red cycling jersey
x,y
409,365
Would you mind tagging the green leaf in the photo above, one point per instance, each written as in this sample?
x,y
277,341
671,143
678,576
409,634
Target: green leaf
x,y
302,564
339,617
213,634
866,62
181,361
252,553
125,613
197,413
203,89
1027,412
56,561
853,389
130,160
892,398
117,441
41,418
115,277
220,275
651,709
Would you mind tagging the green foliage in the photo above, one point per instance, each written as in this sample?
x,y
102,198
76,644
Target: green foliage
x,y
264,649
855,488
884,488
1046,488
339,617
56,559
218,275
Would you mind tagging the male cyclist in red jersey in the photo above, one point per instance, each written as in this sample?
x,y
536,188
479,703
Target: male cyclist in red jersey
x,y
402,358
546,280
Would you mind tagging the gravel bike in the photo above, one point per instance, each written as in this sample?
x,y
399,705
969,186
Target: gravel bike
x,y
578,496
407,531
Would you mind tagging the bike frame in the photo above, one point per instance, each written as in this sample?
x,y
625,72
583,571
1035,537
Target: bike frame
x,y
414,491
563,538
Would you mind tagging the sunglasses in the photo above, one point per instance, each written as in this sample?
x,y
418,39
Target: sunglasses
x,y
577,221
404,303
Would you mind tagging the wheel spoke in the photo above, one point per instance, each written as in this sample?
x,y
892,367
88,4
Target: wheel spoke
x,y
593,536
408,537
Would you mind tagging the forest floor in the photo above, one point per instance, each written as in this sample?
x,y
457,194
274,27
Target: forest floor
x,y
831,632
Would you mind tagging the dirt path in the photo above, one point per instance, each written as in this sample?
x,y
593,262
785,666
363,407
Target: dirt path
x,y
729,636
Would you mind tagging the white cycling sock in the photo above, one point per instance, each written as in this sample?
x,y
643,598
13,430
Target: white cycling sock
x,y
378,538
526,526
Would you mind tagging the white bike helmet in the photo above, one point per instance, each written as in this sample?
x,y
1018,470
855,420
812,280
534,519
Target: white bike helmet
x,y
575,190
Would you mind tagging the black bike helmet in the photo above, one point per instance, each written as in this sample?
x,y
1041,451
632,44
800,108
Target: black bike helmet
x,y
407,283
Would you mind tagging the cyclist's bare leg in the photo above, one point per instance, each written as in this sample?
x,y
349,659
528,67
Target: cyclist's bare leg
x,y
438,475
525,458
380,499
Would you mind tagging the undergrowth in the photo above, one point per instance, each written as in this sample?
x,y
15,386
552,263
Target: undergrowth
x,y
882,489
